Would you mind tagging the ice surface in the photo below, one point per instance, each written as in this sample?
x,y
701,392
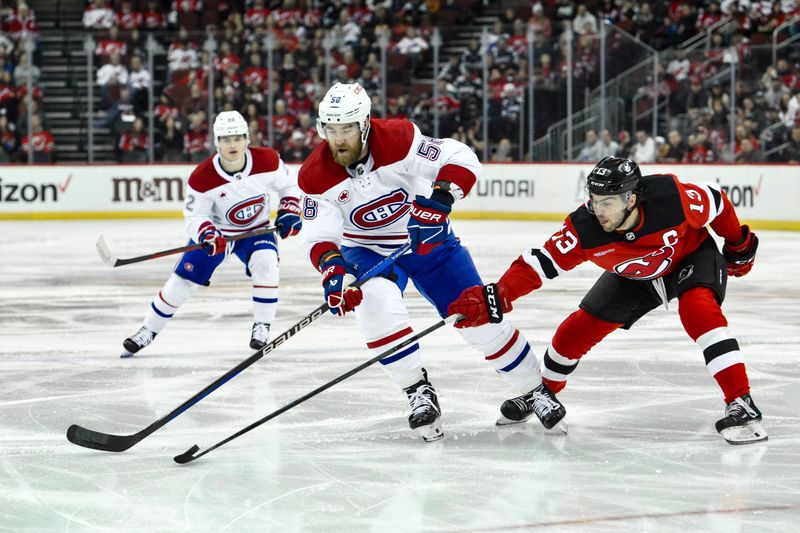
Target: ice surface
x,y
641,454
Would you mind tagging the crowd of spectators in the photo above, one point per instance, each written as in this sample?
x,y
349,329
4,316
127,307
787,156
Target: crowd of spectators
x,y
18,70
299,31
303,33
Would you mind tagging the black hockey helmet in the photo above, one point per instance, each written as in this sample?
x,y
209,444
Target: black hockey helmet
x,y
614,175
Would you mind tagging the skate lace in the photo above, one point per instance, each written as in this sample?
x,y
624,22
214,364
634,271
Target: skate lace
x,y
143,337
542,404
261,331
739,408
421,399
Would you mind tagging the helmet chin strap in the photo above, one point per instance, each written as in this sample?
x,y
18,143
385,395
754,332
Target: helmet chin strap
x,y
624,218
628,211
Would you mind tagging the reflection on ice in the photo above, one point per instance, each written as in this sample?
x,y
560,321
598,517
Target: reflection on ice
x,y
641,454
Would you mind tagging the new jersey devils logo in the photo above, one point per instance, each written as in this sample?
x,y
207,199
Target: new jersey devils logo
x,y
245,212
651,265
648,267
382,211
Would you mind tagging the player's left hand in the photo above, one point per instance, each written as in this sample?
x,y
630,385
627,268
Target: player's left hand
x,y
480,305
288,221
341,299
742,254
211,239
428,226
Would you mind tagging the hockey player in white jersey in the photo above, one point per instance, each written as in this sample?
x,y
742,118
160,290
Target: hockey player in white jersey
x,y
228,194
369,187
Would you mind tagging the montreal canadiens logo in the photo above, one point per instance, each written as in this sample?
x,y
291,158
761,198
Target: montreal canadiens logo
x,y
382,211
245,212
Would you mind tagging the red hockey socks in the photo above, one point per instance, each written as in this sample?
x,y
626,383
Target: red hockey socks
x,y
703,320
575,336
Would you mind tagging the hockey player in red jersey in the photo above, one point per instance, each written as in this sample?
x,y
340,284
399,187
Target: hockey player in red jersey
x,y
371,186
649,235
228,194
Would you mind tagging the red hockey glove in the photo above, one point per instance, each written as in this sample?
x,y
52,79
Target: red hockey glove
x,y
211,239
480,305
340,299
741,254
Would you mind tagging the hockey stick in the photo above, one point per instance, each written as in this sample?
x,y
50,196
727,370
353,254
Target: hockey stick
x,y
106,442
113,261
189,455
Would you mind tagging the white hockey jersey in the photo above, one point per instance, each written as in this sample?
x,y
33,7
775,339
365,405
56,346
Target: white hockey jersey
x,y
369,205
237,203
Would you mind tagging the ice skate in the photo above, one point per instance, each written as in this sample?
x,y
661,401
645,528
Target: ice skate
x,y
541,401
137,341
742,422
260,335
425,417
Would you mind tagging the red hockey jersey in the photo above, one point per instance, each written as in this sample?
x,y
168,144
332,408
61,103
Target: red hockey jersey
x,y
673,220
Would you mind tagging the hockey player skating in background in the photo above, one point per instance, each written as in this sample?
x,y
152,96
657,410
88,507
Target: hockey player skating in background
x,y
649,235
370,186
228,194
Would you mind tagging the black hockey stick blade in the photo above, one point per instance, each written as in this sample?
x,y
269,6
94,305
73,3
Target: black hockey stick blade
x,y
96,440
113,261
119,443
189,455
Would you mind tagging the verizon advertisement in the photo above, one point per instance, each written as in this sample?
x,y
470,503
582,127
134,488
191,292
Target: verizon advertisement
x,y
761,193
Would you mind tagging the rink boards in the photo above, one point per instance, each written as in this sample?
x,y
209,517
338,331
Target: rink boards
x,y
766,196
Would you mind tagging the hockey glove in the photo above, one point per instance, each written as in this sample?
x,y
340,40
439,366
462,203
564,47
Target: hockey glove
x,y
480,305
428,226
211,239
741,255
334,276
288,221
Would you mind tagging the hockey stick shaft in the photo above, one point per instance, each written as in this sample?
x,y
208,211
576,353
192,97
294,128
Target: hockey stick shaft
x,y
113,261
97,440
190,456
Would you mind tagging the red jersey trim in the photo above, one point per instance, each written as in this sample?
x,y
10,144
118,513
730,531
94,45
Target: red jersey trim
x,y
205,177
458,175
374,237
319,249
320,172
389,140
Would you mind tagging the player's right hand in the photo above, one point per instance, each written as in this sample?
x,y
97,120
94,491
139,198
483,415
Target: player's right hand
x,y
480,305
742,254
340,299
211,239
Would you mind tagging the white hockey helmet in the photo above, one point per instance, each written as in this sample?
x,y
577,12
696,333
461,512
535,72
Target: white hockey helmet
x,y
230,123
345,103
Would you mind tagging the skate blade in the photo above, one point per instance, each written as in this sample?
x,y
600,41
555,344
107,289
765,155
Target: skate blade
x,y
747,434
432,432
125,355
561,426
503,421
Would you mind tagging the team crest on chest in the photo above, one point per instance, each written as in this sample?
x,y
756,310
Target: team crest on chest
x,y
246,211
382,211
652,265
